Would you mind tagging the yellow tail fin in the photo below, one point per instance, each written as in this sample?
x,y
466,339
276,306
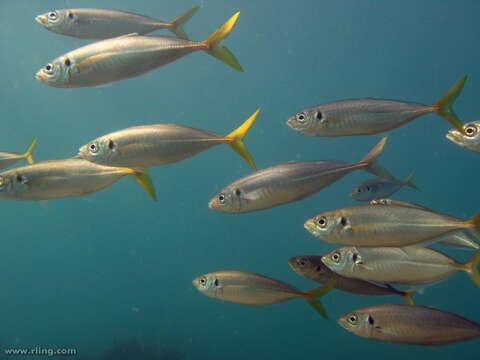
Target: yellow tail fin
x,y
29,152
213,47
235,139
372,164
444,105
176,24
474,224
408,296
473,268
312,295
142,177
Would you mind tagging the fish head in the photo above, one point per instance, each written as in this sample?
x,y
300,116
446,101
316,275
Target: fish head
x,y
100,151
339,260
13,182
56,73
308,266
57,20
470,139
230,200
362,192
329,226
303,122
357,322
207,284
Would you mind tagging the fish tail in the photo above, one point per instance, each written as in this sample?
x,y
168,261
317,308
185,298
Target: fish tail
x,y
179,21
408,296
142,177
312,295
235,139
213,47
372,164
473,268
409,181
474,224
443,106
29,152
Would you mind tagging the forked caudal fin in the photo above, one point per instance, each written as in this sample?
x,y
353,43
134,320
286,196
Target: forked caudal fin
x,y
408,296
474,224
178,22
444,105
213,47
372,164
472,267
142,177
29,152
312,295
235,139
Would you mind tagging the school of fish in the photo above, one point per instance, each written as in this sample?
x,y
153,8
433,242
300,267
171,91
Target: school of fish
x,y
384,241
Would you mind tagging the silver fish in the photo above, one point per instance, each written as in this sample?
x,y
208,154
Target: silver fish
x,y
7,159
288,182
254,289
469,138
106,24
386,225
159,144
128,56
379,188
409,324
64,178
408,265
370,115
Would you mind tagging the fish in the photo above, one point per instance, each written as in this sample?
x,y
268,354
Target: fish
x,y
460,239
8,159
377,225
64,178
379,188
255,289
105,24
129,56
409,324
408,265
312,267
371,115
289,182
159,144
469,138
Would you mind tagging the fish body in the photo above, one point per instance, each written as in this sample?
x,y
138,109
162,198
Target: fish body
x,y
469,138
379,188
288,182
8,159
106,24
385,225
408,265
312,267
409,324
58,179
128,56
368,116
159,144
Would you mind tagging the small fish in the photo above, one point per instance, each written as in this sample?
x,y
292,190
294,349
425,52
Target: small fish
x,y
312,267
386,225
7,159
255,289
469,138
409,324
379,188
288,182
150,145
128,56
460,239
408,265
106,24
371,115
64,178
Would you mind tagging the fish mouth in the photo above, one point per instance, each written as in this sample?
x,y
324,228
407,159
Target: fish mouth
x,y
39,77
454,137
343,323
211,204
310,226
41,19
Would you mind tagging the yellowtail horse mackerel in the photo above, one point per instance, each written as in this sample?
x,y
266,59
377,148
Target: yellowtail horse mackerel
x,y
106,24
159,144
64,178
9,158
128,56
371,115
291,181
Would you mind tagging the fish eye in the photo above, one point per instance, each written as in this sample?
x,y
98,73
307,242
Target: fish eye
x,y
322,221
53,15
471,130
336,257
301,117
301,262
203,281
49,68
93,148
67,62
221,198
352,319
238,192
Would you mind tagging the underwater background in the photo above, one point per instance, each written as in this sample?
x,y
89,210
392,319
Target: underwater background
x,y
115,268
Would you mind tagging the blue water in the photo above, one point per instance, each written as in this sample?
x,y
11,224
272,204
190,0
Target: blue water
x,y
115,267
